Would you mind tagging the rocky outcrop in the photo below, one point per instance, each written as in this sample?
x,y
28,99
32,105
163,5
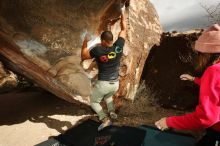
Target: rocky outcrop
x,y
166,62
143,33
7,78
41,39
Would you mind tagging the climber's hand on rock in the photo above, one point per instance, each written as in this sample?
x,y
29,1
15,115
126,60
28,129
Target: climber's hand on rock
x,y
161,124
87,37
113,21
187,77
127,3
122,11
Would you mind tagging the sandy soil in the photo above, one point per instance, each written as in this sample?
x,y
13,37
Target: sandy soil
x,y
31,116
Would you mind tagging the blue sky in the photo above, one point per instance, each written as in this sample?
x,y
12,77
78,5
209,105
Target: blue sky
x,y
183,15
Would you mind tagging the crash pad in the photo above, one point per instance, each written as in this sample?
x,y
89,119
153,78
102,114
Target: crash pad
x,y
155,137
86,134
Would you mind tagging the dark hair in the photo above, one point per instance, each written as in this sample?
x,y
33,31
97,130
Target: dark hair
x,y
205,60
107,36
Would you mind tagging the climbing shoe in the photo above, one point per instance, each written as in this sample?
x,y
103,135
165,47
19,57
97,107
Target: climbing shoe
x,y
106,122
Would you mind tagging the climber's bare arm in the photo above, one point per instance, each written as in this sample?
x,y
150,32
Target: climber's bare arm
x,y
122,33
85,51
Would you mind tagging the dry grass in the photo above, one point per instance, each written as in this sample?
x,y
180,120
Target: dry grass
x,y
143,110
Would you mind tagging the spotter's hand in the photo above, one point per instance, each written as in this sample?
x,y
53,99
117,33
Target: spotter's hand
x,y
161,124
186,77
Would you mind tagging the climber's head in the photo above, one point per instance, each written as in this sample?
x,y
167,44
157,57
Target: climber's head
x,y
107,38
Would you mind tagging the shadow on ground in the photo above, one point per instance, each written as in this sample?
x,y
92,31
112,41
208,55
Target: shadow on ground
x,y
37,105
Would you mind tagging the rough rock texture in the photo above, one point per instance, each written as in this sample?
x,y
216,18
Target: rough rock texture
x,y
7,78
45,37
143,33
164,66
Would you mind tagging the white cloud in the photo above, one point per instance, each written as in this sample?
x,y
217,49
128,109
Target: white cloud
x,y
182,14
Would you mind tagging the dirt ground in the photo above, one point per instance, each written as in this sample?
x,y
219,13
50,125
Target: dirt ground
x,y
30,116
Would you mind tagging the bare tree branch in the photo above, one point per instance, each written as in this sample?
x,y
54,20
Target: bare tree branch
x,y
213,12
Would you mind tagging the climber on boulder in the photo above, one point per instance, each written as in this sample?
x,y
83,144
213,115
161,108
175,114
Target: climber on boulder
x,y
107,56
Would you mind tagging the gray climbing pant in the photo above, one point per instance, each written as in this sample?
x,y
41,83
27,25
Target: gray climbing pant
x,y
103,90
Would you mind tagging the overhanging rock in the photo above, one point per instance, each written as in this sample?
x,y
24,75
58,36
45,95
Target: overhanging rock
x,y
41,39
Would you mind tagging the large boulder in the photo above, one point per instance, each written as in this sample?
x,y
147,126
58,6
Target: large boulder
x,y
166,62
41,39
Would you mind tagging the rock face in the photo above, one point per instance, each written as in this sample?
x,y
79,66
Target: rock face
x,y
7,78
164,66
41,39
143,33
